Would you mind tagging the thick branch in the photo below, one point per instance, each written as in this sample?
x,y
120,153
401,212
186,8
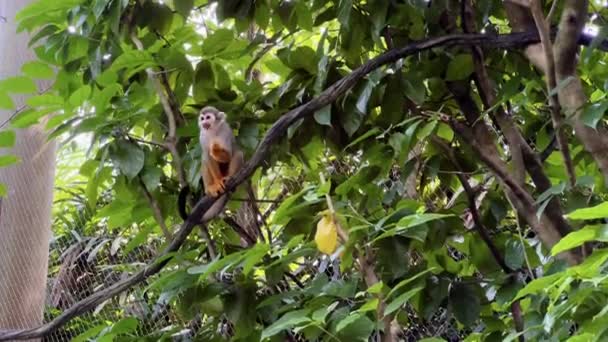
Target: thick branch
x,y
523,156
276,132
524,203
571,94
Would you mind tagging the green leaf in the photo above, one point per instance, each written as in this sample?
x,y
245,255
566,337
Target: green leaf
x,y
357,330
599,211
9,159
99,6
363,99
217,42
77,48
426,130
594,113
40,8
323,116
579,237
204,81
45,100
128,157
36,69
407,281
27,118
92,332
103,98
3,190
151,178
125,325
253,256
184,7
7,138
444,131
287,321
344,13
401,299
364,136
18,85
134,60
370,305
409,222
80,95
538,285
304,16
5,101
107,78
460,67
514,254
353,317
464,303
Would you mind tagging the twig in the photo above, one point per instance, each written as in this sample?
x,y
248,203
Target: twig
x,y
562,142
552,11
147,142
20,109
273,135
155,210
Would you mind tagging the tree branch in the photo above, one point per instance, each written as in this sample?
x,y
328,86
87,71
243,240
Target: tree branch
x,y
171,139
543,30
523,156
273,135
158,216
478,224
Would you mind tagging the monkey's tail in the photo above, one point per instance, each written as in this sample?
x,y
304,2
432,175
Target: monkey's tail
x,y
215,209
181,202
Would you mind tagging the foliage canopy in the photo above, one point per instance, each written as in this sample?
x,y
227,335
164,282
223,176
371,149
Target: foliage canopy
x,y
430,241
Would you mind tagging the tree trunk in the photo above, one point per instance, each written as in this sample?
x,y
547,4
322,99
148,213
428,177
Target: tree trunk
x,y
25,213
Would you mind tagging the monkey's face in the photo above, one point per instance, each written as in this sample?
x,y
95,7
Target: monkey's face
x,y
206,120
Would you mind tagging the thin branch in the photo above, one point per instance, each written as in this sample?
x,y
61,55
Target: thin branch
x,y
272,42
478,224
158,216
273,135
20,109
147,142
562,142
239,230
171,139
552,11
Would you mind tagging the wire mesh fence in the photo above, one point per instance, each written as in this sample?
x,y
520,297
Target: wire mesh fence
x,y
80,267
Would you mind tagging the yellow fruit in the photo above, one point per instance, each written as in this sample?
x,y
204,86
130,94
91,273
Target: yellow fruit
x,y
327,235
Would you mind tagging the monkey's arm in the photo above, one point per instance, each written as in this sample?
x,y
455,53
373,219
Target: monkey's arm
x,y
236,162
222,148
212,177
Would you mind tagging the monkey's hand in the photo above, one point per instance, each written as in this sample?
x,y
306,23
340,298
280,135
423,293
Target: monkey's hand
x,y
215,188
219,153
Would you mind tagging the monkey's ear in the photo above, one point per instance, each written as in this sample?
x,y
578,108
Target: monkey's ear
x,y
221,116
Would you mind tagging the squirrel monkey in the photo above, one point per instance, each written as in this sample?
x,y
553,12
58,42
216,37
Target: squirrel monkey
x,y
221,158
